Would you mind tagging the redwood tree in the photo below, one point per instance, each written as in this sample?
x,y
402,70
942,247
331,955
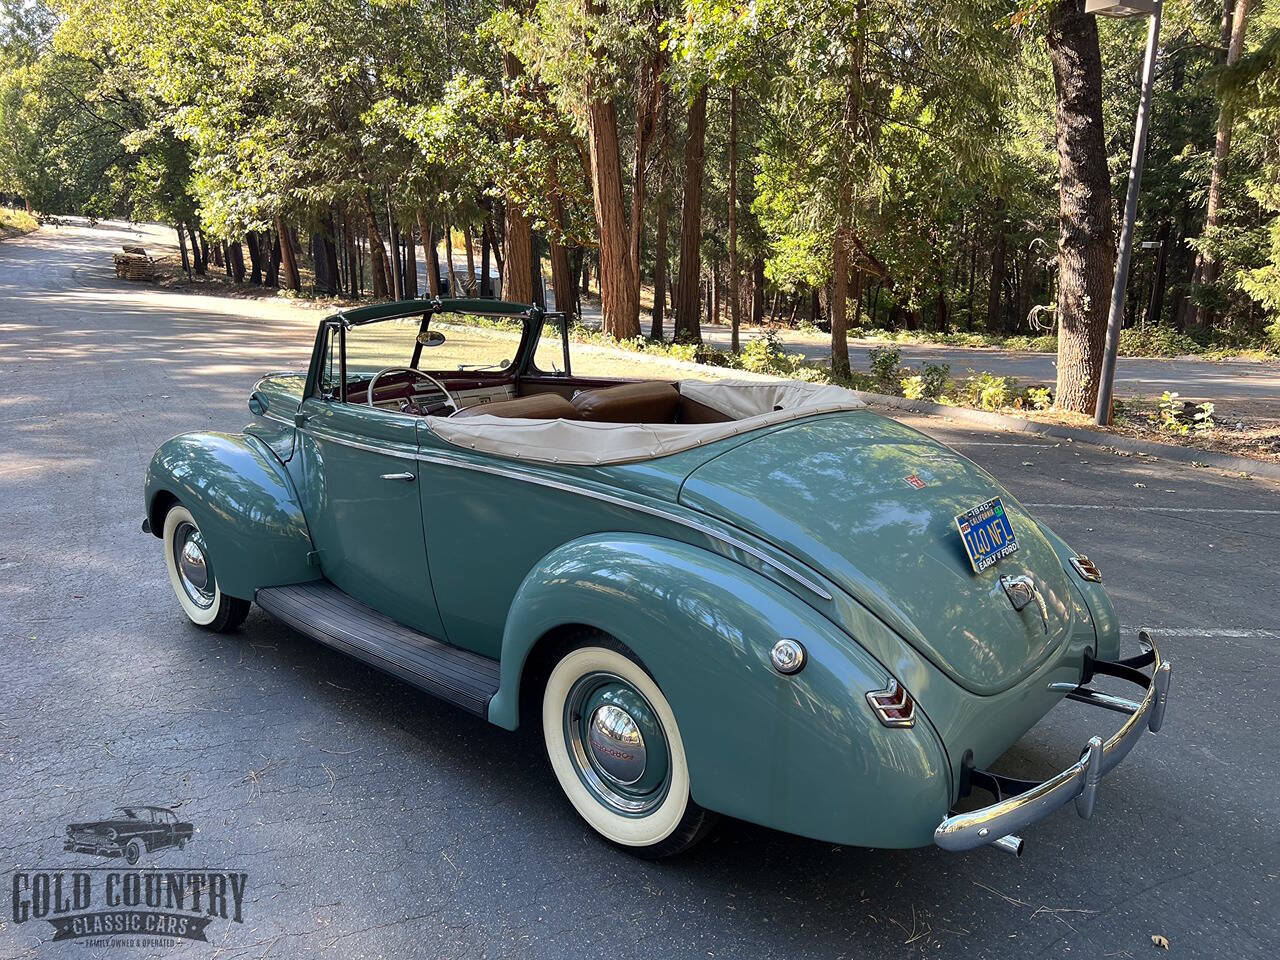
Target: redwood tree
x,y
1085,248
688,291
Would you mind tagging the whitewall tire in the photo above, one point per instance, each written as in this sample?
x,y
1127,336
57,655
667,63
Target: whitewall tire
x,y
192,577
615,748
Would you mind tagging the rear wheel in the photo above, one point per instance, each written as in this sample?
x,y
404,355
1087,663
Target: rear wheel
x,y
191,574
615,748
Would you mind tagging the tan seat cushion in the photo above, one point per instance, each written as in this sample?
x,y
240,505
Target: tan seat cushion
x,y
649,401
538,406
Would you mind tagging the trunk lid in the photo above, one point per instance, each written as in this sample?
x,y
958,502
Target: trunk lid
x,y
834,493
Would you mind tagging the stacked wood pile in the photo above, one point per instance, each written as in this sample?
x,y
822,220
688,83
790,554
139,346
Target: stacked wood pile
x,y
134,264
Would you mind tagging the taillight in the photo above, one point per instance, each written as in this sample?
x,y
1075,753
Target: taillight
x,y
893,705
1086,568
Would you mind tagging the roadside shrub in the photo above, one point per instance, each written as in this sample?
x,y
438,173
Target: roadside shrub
x,y
886,365
986,391
1156,341
1039,398
930,383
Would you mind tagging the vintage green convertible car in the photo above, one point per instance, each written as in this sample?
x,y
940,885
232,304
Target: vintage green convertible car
x,y
758,600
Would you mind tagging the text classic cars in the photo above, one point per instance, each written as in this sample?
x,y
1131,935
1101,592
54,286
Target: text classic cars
x,y
712,598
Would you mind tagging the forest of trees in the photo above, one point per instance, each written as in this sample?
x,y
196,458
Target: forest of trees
x,y
859,163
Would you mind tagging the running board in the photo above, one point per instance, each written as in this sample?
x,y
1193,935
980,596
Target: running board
x,y
323,612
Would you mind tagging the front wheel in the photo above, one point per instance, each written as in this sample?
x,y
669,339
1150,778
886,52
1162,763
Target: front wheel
x,y
615,747
191,573
134,851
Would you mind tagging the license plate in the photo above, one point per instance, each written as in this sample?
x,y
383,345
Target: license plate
x,y
987,534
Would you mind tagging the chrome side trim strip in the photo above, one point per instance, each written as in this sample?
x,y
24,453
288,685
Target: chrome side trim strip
x,y
321,434
272,416
688,522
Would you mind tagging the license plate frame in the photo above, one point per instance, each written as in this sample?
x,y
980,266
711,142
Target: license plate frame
x,y
987,534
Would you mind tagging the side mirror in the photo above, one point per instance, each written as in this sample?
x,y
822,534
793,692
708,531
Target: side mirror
x,y
257,404
432,338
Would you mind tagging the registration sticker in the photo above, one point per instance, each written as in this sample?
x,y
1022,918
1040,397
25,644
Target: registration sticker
x,y
987,534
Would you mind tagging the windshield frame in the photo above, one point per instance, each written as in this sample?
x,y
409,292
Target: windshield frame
x,y
533,318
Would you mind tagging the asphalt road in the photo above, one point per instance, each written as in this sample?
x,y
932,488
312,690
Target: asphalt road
x,y
374,821
1244,387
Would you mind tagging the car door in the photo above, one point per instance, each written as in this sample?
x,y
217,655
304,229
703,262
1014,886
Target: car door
x,y
357,477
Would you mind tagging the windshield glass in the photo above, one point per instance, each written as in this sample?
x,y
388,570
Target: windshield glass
x,y
128,813
469,343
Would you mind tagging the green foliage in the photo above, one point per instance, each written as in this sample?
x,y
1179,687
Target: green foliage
x,y
886,366
1202,420
1039,398
1171,415
986,391
1156,341
930,383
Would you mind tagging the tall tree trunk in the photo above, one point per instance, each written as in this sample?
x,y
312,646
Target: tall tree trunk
x,y
288,258
486,288
235,260
648,96
536,283
410,265
377,253
197,258
735,308
393,236
619,295
757,291
561,272
181,230
255,257
660,262
1156,306
1207,266
471,259
995,317
271,244
687,311
431,258
517,256
1085,248
840,288
453,274
353,272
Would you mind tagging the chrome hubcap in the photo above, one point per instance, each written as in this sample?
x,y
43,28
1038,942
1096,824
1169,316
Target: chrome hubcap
x,y
192,561
617,744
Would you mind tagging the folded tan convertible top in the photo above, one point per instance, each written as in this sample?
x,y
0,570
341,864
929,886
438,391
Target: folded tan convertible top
x,y
752,405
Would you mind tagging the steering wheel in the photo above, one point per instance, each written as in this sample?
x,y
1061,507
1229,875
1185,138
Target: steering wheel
x,y
448,397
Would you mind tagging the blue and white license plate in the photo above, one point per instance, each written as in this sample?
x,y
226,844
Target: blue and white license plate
x,y
987,534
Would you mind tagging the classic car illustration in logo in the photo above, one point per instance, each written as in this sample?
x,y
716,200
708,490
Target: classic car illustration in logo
x,y
131,832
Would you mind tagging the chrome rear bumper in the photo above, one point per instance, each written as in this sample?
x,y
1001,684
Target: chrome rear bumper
x,y
1021,803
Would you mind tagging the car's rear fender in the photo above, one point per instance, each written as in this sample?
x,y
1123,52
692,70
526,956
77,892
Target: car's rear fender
x,y
244,503
801,753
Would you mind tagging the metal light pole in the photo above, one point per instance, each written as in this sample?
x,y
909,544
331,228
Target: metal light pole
x,y
1126,8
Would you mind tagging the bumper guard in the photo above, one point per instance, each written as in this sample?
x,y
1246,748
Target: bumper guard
x,y
1020,803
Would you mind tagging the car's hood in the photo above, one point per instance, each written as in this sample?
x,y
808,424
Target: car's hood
x,y
834,493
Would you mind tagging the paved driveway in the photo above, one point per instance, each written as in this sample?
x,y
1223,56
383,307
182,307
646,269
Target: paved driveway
x,y
374,821
1244,387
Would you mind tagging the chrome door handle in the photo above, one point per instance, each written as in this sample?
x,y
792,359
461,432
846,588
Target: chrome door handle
x,y
397,476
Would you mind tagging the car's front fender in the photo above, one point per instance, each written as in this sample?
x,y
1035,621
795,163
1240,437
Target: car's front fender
x,y
801,753
244,503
